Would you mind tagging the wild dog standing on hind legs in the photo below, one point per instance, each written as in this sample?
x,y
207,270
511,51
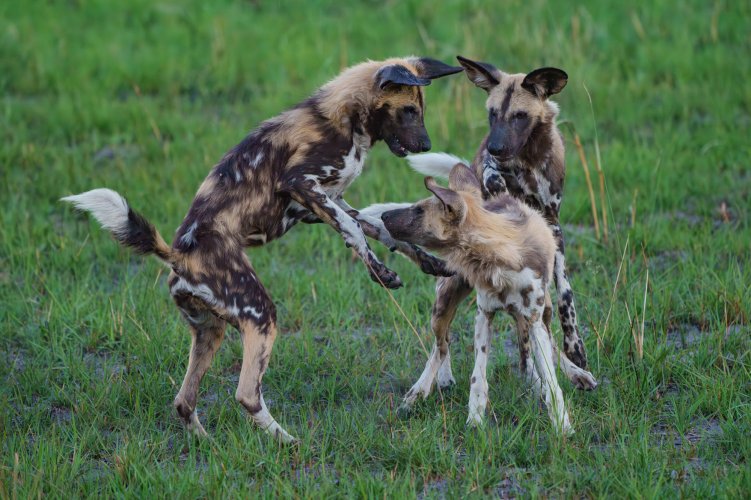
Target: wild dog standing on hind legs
x,y
292,168
522,155
504,250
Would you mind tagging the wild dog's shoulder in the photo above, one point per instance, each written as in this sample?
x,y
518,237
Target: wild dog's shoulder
x,y
502,203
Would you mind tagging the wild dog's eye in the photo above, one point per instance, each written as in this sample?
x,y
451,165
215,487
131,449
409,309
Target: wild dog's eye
x,y
410,110
520,115
492,115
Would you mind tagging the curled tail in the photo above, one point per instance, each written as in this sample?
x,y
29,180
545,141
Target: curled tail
x,y
129,227
435,164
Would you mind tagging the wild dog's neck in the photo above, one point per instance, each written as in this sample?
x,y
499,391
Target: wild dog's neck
x,y
349,125
538,147
347,100
484,242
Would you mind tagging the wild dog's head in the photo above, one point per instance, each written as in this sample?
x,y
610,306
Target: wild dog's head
x,y
436,222
386,98
397,114
516,103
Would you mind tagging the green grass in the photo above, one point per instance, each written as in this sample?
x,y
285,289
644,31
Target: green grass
x,y
143,97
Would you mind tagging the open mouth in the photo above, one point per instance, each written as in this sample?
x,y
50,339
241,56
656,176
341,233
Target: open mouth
x,y
397,148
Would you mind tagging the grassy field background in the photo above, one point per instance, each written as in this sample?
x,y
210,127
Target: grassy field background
x,y
143,97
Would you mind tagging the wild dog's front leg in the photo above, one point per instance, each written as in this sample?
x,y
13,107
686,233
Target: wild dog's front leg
x,y
492,180
573,345
526,365
478,390
309,194
373,227
580,377
449,294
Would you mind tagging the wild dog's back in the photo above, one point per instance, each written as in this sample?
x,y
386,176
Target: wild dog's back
x,y
504,235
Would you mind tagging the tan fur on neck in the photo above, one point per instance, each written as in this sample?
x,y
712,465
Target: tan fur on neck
x,y
354,91
487,241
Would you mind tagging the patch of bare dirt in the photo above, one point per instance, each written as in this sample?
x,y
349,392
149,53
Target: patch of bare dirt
x,y
702,429
105,364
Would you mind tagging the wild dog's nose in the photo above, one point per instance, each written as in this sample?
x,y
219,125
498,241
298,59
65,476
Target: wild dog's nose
x,y
425,145
496,149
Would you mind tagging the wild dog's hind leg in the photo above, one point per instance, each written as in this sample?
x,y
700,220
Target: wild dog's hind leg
x,y
208,332
258,339
573,345
542,349
449,294
220,274
255,317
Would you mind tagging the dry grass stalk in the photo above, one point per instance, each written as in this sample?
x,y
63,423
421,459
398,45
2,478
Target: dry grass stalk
x,y
592,202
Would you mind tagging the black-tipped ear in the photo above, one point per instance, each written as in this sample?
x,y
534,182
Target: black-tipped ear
x,y
451,200
396,74
545,82
433,68
484,75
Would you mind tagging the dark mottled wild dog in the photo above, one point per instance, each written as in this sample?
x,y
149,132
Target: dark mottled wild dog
x,y
505,251
522,155
292,168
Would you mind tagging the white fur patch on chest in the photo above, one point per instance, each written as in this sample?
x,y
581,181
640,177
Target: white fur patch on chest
x,y
352,165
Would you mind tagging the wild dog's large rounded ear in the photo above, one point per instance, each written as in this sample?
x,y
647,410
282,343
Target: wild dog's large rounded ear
x,y
396,74
433,68
462,178
484,75
545,82
451,200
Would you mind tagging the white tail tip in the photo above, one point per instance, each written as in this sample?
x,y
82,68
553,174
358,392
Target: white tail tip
x,y
377,209
435,164
108,207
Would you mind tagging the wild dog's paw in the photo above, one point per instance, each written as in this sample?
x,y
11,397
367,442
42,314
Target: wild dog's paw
x,y
563,425
285,438
576,353
403,412
475,419
382,274
493,182
446,383
429,264
584,381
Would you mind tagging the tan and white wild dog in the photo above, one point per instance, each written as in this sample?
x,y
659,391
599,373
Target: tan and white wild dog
x,y
522,155
503,249
292,168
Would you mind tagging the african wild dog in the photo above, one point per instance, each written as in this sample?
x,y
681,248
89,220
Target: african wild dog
x,y
505,251
292,168
522,155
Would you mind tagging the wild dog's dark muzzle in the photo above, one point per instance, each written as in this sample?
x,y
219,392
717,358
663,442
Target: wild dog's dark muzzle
x,y
499,143
420,144
398,222
424,144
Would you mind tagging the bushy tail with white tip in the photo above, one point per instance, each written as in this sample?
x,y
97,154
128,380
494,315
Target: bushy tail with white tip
x,y
127,226
435,164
